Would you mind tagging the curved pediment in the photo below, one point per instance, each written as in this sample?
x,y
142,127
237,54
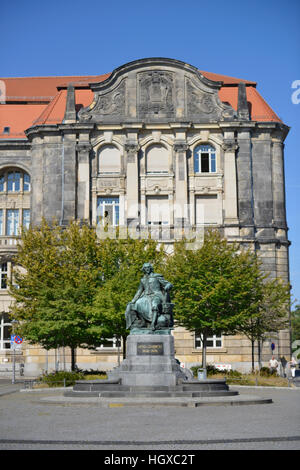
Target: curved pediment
x,y
156,90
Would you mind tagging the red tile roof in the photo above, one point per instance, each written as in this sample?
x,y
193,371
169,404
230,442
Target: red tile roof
x,y
41,100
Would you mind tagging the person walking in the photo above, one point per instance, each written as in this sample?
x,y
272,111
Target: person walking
x,y
273,364
293,365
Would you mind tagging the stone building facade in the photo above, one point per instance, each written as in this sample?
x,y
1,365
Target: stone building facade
x,y
156,145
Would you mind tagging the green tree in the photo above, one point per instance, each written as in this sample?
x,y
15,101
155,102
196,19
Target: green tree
x,y
112,298
57,274
269,315
295,320
214,286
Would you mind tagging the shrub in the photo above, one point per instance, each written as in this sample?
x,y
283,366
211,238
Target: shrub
x,y
210,370
58,379
266,372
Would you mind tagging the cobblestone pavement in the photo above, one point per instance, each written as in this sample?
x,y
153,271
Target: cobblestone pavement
x,y
28,423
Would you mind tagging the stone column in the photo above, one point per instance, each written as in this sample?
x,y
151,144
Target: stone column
x,y
230,182
69,178
84,181
244,187
181,188
53,177
37,180
279,215
262,185
132,181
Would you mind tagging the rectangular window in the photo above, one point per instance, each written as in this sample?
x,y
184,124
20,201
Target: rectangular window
x,y
12,222
26,218
108,211
13,181
3,276
208,210
204,163
211,342
110,343
158,210
5,331
2,181
26,182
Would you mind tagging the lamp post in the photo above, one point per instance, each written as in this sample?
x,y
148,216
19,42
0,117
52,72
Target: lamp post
x,y
13,381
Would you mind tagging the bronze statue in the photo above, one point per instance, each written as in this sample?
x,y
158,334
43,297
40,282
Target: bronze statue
x,y
150,308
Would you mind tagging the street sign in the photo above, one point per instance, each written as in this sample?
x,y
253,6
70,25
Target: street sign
x,y
15,342
272,346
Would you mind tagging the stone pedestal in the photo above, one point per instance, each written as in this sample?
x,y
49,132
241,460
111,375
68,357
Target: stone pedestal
x,y
149,361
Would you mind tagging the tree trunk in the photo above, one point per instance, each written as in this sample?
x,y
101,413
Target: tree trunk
x,y
204,337
259,347
73,359
252,354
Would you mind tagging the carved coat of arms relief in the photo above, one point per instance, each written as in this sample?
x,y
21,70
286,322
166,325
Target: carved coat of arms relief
x,y
156,94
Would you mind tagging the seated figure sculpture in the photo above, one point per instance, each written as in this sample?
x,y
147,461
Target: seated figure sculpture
x,y
150,308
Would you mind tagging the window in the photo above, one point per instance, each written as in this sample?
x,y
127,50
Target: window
x,y
108,211
5,331
3,276
205,159
208,209
109,159
26,182
158,210
26,218
211,342
110,343
6,130
157,159
14,181
12,222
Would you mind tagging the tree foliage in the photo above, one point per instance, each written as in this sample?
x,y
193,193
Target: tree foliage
x,y
295,319
113,297
70,288
219,288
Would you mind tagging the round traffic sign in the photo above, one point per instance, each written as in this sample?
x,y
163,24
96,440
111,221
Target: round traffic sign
x,y
18,339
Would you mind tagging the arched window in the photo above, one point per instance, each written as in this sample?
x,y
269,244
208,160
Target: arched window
x,y
205,159
109,159
15,196
14,180
157,159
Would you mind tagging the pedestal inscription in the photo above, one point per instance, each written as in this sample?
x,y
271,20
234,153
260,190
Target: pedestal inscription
x,y
150,349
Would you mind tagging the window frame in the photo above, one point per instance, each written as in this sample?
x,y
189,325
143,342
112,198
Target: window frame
x,y
203,149
213,338
24,181
4,323
115,204
3,275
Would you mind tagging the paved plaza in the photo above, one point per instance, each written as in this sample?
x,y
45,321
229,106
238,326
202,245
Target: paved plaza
x,y
29,422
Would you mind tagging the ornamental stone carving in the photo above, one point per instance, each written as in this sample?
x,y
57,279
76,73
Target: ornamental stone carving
x,y
156,94
230,145
106,105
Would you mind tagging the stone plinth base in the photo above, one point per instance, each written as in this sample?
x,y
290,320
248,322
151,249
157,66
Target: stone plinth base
x,y
150,361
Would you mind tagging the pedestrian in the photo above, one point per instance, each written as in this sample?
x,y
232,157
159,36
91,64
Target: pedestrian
x,y
283,365
273,364
293,365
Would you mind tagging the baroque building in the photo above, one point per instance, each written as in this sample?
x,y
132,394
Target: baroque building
x,y
156,145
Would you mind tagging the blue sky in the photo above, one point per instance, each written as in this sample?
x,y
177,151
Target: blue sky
x,y
256,40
